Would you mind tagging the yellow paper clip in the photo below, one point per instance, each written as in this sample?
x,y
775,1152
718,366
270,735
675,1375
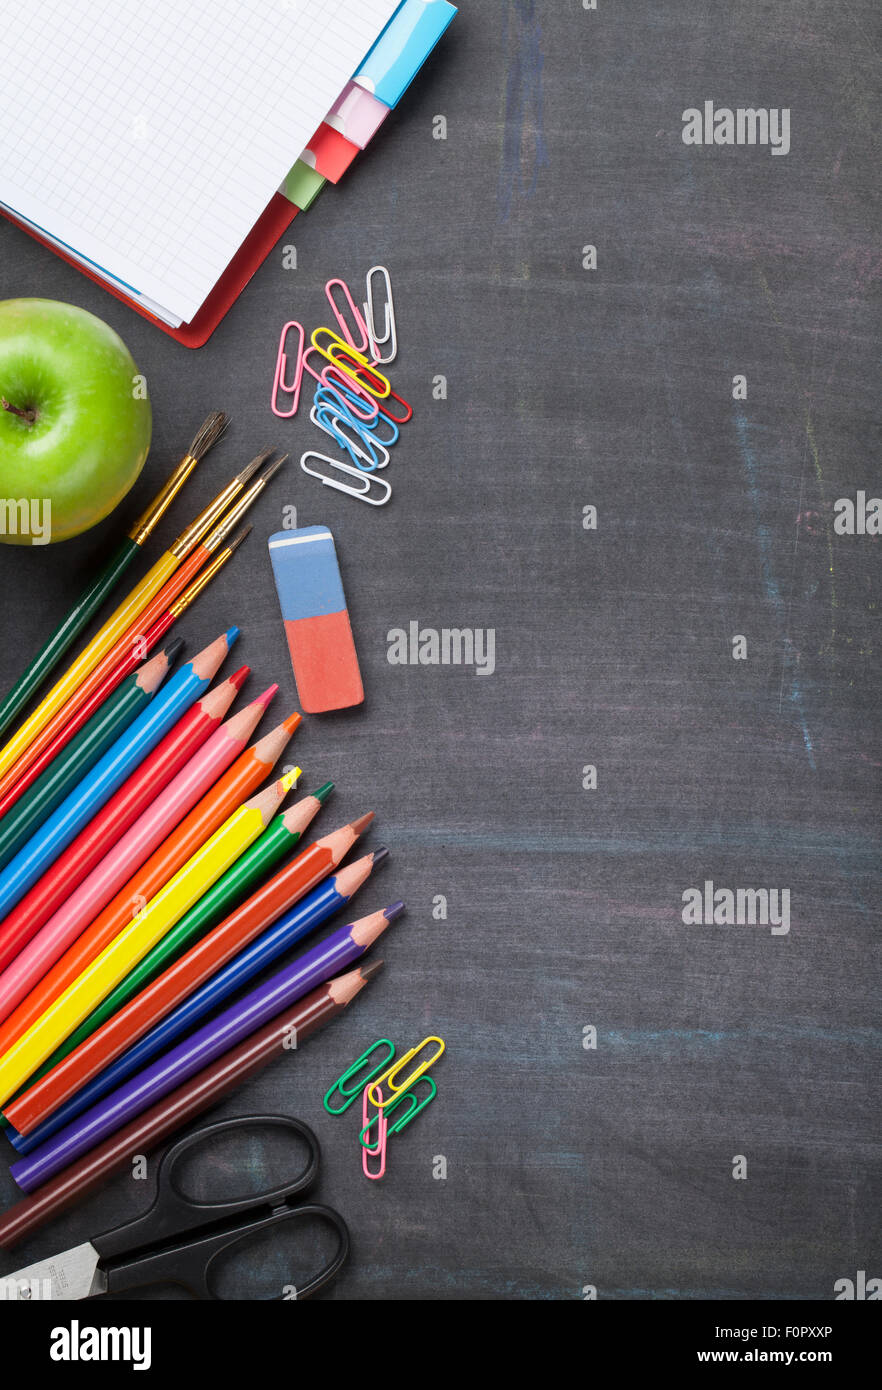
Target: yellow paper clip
x,y
388,1076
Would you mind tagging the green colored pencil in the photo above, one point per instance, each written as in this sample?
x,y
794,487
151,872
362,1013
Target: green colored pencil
x,y
280,836
92,598
82,753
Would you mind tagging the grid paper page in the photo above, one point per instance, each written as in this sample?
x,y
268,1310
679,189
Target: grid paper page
x,y
150,135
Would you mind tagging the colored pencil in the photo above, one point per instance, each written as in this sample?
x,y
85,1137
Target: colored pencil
x,y
85,751
168,578
116,960
198,982
103,584
96,843
235,786
276,842
287,887
48,743
61,1141
109,773
195,1096
238,783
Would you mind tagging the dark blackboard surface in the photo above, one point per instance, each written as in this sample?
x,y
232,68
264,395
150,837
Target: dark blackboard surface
x,y
570,1166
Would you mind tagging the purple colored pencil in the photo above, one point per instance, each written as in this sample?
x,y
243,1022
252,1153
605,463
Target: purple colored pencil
x,y
236,1023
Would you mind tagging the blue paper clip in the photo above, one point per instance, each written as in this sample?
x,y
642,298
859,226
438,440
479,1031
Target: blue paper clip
x,y
335,422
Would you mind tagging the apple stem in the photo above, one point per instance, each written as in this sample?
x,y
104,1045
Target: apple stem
x,y
29,415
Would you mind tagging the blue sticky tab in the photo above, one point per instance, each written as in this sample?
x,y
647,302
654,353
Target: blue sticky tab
x,y
402,48
306,572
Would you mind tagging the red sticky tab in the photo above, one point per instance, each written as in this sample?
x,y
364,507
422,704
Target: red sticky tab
x,y
332,152
325,662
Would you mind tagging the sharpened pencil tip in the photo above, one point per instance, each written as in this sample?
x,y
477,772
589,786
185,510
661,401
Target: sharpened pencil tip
x,y
292,722
238,678
379,855
173,650
231,634
390,913
322,793
368,970
267,697
359,826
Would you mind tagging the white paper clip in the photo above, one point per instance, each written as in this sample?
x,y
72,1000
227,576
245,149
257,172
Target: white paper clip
x,y
348,435
389,334
366,480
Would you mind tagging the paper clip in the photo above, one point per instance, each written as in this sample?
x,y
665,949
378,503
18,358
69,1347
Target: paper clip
x,y
316,376
379,1150
279,382
366,480
357,396
341,398
388,1077
374,341
335,422
361,326
371,427
397,419
340,1083
416,1105
340,354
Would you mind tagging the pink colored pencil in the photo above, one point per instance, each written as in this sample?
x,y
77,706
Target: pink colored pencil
x,y
132,850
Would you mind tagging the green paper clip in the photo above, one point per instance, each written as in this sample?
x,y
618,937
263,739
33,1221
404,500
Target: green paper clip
x,y
416,1106
340,1083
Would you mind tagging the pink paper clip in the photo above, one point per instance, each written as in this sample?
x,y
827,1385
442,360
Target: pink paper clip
x,y
336,378
339,315
316,376
380,1150
279,382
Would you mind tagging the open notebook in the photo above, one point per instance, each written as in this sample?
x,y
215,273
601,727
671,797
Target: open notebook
x,y
145,138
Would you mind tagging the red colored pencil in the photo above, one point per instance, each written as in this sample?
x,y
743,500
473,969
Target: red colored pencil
x,y
114,819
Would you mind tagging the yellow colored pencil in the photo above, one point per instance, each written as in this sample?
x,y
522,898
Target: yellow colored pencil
x,y
203,869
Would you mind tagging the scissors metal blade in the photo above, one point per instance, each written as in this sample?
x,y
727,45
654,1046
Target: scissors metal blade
x,y
73,1274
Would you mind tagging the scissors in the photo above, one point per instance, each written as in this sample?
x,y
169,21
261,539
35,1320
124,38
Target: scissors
x,y
178,1240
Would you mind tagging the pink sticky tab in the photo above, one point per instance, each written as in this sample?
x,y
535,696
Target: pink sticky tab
x,y
357,115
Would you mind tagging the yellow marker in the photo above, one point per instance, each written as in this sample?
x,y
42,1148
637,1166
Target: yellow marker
x,y
187,886
124,617
391,1072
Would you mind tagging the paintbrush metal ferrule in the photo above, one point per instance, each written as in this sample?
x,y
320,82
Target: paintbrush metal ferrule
x,y
209,433
215,510
202,580
220,533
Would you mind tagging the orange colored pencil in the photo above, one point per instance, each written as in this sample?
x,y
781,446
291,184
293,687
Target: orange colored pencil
x,y
236,785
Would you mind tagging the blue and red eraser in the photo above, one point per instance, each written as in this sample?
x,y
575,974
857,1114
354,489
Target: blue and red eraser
x,y
316,620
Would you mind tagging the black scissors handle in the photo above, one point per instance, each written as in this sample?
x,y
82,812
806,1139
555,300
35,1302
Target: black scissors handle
x,y
150,1249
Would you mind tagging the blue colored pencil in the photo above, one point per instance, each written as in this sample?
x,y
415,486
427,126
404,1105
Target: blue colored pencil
x,y
97,787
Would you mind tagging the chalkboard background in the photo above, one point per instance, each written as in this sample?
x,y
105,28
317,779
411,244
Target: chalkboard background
x,y
570,1166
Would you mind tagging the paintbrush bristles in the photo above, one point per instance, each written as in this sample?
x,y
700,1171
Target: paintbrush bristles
x,y
209,433
239,538
251,468
273,468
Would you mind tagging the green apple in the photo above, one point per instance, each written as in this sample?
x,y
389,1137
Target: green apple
x,y
74,420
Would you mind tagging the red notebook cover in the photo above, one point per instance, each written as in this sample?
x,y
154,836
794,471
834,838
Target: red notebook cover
x,y
278,215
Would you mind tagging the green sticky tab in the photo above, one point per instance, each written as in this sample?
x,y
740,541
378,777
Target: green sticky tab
x,y
302,185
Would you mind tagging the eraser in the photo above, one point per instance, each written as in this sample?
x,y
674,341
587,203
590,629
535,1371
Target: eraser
x,y
316,620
